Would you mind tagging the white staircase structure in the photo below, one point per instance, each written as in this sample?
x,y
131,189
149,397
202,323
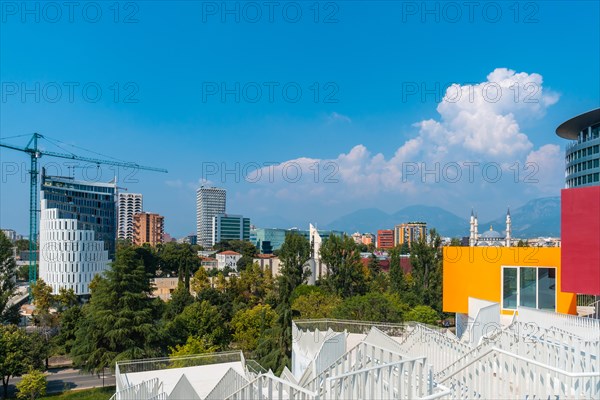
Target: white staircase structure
x,y
538,355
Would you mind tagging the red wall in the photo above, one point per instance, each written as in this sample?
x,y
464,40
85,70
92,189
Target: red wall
x,y
580,240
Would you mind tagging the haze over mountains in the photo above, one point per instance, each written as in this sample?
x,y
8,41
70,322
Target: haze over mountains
x,y
538,217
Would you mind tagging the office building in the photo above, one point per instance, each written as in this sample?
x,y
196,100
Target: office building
x,y
78,227
385,239
230,227
210,201
409,232
128,204
148,228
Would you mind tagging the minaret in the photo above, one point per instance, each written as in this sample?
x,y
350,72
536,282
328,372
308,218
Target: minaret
x,y
508,227
476,231
472,230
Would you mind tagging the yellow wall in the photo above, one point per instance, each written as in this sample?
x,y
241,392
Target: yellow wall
x,y
477,272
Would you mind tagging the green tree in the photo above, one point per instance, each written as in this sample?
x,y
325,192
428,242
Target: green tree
x,y
17,354
455,242
522,243
346,274
200,319
178,259
424,314
67,333
274,350
426,260
180,299
397,280
118,322
32,385
376,307
249,326
200,280
193,345
405,248
8,285
374,267
43,317
316,304
22,244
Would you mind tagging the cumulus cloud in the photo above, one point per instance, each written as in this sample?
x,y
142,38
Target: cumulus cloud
x,y
335,117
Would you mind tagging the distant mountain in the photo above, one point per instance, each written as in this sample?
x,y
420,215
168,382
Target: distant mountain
x,y
373,219
538,217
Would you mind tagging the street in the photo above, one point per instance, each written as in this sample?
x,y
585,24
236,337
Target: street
x,y
62,379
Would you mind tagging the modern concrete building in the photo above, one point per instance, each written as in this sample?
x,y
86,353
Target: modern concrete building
x,y
210,201
77,231
148,228
128,204
580,206
230,227
409,232
267,240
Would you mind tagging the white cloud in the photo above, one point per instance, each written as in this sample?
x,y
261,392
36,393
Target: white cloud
x,y
335,117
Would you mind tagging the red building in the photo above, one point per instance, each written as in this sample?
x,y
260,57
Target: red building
x,y
385,239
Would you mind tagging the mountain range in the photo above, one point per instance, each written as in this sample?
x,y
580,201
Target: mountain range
x,y
538,217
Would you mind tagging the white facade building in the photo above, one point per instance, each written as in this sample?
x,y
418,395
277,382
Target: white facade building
x,y
210,202
128,205
69,257
229,259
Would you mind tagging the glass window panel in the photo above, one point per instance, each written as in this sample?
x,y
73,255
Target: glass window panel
x,y
528,284
546,288
509,288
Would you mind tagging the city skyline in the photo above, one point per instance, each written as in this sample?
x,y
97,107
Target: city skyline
x,y
366,145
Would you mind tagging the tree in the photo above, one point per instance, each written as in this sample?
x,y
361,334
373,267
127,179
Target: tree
x,y
45,319
455,242
180,299
249,326
118,322
372,307
346,274
200,280
423,314
8,275
67,332
374,267
426,260
17,354
522,243
274,349
316,304
397,281
405,248
178,259
32,386
200,319
194,345
22,244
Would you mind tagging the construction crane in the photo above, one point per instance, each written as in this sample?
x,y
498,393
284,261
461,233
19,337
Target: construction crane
x,y
35,154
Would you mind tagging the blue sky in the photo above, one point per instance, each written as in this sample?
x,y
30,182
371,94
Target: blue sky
x,y
367,127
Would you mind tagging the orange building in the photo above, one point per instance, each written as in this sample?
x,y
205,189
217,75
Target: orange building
x,y
148,228
510,276
385,239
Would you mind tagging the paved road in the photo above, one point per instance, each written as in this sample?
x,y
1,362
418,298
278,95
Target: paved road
x,y
61,379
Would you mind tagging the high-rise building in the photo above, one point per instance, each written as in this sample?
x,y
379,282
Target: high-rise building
x,y
210,201
230,227
128,205
77,231
148,228
583,152
385,238
409,232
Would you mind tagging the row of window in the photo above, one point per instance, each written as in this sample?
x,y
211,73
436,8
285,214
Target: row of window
x,y
588,151
50,254
75,246
582,166
583,180
76,267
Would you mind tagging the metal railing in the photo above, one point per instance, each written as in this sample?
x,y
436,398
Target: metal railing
x,y
152,364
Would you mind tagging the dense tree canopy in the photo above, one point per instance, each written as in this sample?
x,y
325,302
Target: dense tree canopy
x,y
8,274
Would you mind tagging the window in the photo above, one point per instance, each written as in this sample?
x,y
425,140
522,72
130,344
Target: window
x,y
529,287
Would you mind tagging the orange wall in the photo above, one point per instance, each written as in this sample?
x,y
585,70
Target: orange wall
x,y
476,272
